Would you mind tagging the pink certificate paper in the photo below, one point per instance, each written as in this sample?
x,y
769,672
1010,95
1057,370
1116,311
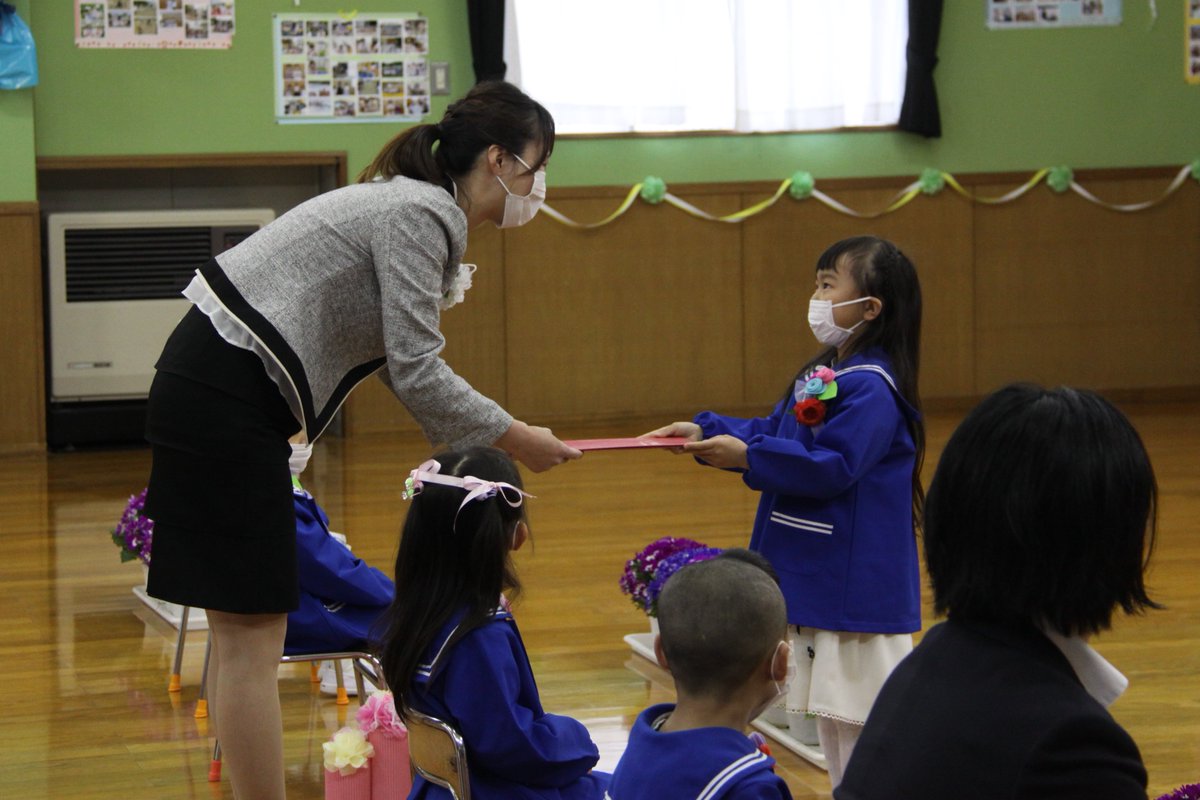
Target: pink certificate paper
x,y
626,444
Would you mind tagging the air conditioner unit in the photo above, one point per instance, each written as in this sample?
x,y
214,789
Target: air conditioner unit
x,y
113,293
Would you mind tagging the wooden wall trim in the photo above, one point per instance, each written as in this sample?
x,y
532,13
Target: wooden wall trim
x,y
22,360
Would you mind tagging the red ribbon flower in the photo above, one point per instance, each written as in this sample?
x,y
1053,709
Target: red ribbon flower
x,y
809,411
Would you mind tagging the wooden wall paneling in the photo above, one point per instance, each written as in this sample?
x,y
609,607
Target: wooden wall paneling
x,y
643,315
22,361
1071,293
781,251
475,344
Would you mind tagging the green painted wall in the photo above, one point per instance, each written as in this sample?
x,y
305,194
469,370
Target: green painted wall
x,y
1011,100
17,180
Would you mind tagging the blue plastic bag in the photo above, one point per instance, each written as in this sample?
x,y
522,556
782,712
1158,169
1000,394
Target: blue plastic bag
x,y
18,58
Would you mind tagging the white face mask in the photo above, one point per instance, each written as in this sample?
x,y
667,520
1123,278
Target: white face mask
x,y
300,455
820,319
517,209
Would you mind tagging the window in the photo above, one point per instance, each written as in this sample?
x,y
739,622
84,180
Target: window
x,y
710,65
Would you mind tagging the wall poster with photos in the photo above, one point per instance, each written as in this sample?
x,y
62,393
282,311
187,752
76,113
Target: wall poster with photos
x,y
184,24
1005,14
1191,34
343,68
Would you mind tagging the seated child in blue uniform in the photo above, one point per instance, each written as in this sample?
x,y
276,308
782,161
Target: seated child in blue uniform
x,y
341,596
451,648
723,629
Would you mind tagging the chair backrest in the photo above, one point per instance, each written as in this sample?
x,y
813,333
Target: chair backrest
x,y
437,753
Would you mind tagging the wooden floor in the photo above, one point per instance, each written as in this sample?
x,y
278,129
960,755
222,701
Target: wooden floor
x,y
84,710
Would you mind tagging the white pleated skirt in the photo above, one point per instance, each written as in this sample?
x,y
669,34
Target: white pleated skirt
x,y
838,674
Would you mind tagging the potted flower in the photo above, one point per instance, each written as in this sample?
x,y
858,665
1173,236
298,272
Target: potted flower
x,y
134,531
647,572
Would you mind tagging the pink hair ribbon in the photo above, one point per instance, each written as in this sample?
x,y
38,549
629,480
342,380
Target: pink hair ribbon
x,y
476,488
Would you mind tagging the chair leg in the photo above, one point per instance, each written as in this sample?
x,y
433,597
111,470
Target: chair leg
x,y
202,701
214,766
175,685
343,699
358,682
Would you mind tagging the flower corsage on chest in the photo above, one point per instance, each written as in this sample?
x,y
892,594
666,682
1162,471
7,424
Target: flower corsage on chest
x,y
813,392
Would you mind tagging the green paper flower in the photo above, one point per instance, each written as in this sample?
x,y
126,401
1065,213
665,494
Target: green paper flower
x,y
653,190
1196,170
931,180
1060,178
802,185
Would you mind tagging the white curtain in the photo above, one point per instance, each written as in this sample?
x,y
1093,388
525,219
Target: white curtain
x,y
695,65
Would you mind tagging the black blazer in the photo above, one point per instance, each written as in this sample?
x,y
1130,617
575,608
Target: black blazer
x,y
981,711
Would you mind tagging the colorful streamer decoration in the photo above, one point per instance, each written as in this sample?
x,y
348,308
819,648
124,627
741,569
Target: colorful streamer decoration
x,y
801,186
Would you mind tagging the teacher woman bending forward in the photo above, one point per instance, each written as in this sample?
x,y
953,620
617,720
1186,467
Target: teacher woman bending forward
x,y
282,327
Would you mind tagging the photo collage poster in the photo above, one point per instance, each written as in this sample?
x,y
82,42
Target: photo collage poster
x,y
1191,33
184,24
1005,14
351,68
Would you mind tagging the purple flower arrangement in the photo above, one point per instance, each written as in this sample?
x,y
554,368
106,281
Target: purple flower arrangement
x,y
1190,791
134,531
647,572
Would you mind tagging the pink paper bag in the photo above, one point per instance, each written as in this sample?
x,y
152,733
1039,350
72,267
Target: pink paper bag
x,y
355,786
391,778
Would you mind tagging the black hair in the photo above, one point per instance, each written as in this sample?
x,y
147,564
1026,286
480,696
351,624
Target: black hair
x,y
449,559
493,112
1042,511
879,269
719,620
751,557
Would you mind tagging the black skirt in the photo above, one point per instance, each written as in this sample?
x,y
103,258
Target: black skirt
x,y
220,491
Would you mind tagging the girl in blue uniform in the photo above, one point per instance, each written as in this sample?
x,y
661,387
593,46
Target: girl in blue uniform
x,y
838,465
452,650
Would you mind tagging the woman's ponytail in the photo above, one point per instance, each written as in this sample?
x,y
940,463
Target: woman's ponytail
x,y
411,154
492,113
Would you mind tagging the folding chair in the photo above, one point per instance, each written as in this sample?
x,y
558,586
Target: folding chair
x,y
436,752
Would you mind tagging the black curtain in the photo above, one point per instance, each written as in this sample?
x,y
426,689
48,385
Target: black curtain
x,y
919,113
485,19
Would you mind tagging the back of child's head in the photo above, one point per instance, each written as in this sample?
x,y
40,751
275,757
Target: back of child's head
x,y
720,620
454,556
753,558
1041,511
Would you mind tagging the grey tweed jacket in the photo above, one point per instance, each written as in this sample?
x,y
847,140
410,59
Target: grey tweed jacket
x,y
346,285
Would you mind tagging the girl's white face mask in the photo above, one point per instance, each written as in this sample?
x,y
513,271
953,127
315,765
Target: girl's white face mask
x,y
519,210
820,320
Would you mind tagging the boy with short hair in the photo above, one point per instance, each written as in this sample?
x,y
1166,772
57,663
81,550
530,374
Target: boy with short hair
x,y
723,629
